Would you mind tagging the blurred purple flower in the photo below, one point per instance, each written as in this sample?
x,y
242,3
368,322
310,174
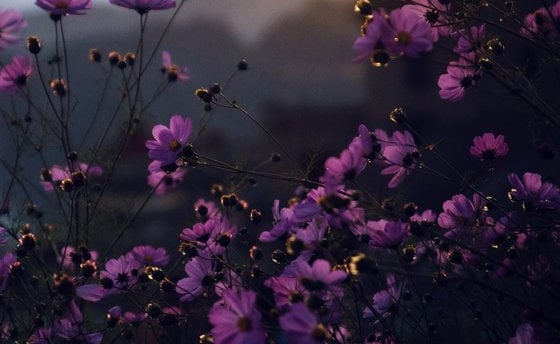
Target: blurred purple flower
x,y
348,165
526,334
147,255
301,326
69,327
11,21
458,212
200,276
317,277
434,12
5,266
407,33
368,44
170,179
401,156
488,146
461,75
57,174
533,192
287,291
15,74
143,6
387,234
384,299
236,320
3,232
64,7
42,335
123,271
174,72
470,41
540,23
169,142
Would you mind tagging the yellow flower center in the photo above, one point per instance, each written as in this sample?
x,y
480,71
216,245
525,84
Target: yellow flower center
x,y
174,145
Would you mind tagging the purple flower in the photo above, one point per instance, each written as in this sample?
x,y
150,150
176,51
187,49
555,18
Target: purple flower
x,y
147,255
301,326
10,23
540,24
164,181
5,266
318,276
471,41
69,327
200,276
42,335
384,299
348,165
369,44
387,234
143,6
3,232
64,7
122,272
488,146
284,223
15,74
406,33
169,142
58,174
458,212
236,320
461,75
533,192
287,291
401,156
434,13
174,72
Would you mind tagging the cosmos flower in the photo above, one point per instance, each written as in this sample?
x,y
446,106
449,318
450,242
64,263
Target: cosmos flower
x,y
15,74
64,7
236,320
164,181
173,71
200,276
401,156
318,276
471,41
384,299
540,23
461,75
143,6
57,174
123,271
301,326
533,192
526,334
287,291
147,255
407,33
434,12
369,44
169,141
10,23
458,212
488,146
348,165
387,234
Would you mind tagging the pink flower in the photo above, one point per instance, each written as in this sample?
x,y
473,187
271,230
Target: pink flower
x,y
533,192
470,41
58,174
318,276
10,23
434,12
402,157
461,75
15,74
236,320
488,146
147,255
64,7
174,72
169,141
405,32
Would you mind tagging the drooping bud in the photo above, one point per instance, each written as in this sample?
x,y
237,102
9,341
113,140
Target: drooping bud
x,y
33,44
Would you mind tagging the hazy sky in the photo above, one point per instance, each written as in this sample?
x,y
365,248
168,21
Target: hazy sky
x,y
261,14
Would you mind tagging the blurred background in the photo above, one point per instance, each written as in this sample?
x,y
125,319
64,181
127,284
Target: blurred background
x,y
301,84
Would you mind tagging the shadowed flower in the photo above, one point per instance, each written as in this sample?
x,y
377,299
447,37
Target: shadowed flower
x,y
526,334
386,234
64,7
369,44
407,33
147,255
236,320
10,23
143,6
533,192
460,76
471,41
200,276
123,271
57,175
169,141
434,12
15,74
401,156
384,299
164,181
174,72
541,23
287,291
488,146
301,326
318,276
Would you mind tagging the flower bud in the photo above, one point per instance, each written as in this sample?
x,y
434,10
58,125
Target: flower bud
x,y
94,55
114,58
33,44
398,116
58,86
